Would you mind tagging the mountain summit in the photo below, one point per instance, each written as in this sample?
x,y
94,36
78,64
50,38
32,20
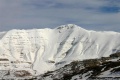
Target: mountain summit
x,y
46,49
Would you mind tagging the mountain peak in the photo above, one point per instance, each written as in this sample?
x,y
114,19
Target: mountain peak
x,y
59,46
68,26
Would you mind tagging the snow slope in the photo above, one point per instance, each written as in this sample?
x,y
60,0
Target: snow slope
x,y
45,48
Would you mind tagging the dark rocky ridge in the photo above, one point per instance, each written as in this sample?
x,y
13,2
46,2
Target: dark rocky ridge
x,y
91,68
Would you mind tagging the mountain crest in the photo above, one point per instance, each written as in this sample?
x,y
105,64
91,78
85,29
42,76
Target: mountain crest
x,y
50,47
68,26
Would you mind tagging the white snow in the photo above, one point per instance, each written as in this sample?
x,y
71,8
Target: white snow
x,y
46,47
108,73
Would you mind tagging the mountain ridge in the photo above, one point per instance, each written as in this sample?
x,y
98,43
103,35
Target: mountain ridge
x,y
45,48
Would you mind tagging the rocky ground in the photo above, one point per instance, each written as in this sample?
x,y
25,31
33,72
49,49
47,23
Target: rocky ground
x,y
91,69
15,74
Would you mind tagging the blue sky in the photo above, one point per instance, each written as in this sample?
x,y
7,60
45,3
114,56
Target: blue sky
x,y
89,14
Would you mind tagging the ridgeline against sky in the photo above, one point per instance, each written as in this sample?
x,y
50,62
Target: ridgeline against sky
x,y
90,14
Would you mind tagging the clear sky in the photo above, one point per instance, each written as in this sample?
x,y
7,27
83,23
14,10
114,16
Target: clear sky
x,y
89,14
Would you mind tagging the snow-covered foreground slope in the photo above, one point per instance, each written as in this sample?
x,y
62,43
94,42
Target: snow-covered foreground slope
x,y
44,49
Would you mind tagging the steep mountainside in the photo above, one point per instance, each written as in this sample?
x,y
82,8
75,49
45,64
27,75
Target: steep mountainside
x,y
42,50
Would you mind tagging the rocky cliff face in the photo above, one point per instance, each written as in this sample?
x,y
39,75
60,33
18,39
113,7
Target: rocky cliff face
x,y
40,50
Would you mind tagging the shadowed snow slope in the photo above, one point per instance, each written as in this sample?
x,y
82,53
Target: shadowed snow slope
x,y
45,48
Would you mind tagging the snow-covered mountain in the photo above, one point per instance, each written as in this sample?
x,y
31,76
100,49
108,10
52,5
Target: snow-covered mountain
x,y
41,50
